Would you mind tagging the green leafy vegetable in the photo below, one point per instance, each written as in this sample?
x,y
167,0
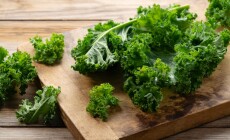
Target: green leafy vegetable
x,y
101,99
43,107
198,56
144,88
163,48
3,54
165,25
218,12
16,72
96,52
49,52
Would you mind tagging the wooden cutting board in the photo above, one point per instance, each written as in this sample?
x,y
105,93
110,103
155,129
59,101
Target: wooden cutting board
x,y
176,113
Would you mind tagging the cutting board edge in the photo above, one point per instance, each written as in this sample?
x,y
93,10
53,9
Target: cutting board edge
x,y
159,129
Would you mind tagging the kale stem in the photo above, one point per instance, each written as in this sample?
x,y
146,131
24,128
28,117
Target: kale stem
x,y
180,8
113,28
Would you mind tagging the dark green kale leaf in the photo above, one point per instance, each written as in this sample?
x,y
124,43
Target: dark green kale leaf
x,y
103,45
144,87
137,52
97,51
43,108
198,56
150,52
218,13
165,25
16,72
193,55
21,63
101,99
49,52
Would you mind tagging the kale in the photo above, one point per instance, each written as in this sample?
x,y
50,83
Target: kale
x,y
49,52
43,108
162,48
16,71
96,51
101,99
218,13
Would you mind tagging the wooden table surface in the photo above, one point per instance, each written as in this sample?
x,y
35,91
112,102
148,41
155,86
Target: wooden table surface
x,y
22,19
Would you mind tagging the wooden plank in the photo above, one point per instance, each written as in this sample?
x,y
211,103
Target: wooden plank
x,y
35,134
221,123
20,31
8,118
176,113
203,134
78,9
62,133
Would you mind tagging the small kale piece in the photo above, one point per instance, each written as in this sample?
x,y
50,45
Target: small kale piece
x,y
101,99
49,52
218,13
43,107
16,71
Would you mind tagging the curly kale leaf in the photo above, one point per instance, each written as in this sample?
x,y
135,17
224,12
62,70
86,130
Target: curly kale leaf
x,y
49,52
22,64
43,107
138,50
97,51
165,25
198,57
218,13
101,99
102,46
16,72
144,86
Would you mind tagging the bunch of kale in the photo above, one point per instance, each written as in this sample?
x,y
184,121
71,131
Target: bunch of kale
x,y
156,49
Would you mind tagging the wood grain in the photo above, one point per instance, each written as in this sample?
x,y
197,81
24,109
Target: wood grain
x,y
35,134
203,134
221,123
21,31
80,9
